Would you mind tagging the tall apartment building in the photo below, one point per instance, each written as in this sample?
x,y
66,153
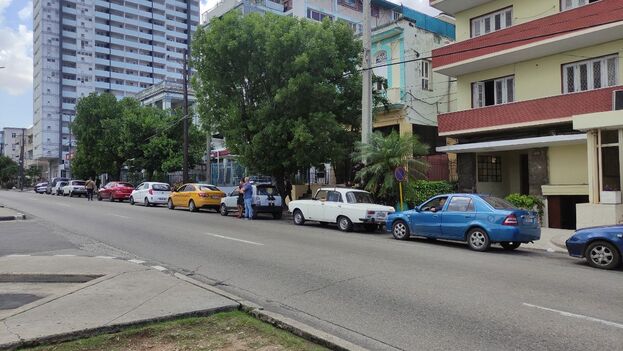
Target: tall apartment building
x,y
12,142
536,103
117,46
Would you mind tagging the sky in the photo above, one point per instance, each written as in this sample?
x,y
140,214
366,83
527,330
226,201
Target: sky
x,y
16,56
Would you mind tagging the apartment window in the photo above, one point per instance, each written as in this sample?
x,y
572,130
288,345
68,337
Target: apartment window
x,y
492,22
571,4
590,74
426,75
493,92
489,169
317,15
396,15
380,59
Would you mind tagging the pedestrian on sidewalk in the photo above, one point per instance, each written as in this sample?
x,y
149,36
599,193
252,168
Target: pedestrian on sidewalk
x,y
247,190
240,201
90,186
288,194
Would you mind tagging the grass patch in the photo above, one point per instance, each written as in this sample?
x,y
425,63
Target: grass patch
x,y
227,331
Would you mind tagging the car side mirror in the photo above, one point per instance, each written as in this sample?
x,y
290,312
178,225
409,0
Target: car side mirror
x,y
417,209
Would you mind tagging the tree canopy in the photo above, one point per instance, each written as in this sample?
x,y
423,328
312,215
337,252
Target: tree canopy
x,y
284,92
8,171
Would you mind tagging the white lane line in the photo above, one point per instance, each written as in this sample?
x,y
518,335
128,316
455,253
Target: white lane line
x,y
105,257
579,316
18,255
136,261
120,216
160,268
65,255
235,239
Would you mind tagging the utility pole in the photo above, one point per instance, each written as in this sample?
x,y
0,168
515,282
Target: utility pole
x,y
208,156
21,163
366,96
185,165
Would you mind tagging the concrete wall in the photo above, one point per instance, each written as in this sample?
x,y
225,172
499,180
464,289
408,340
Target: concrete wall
x,y
590,215
466,169
523,11
537,78
568,165
510,176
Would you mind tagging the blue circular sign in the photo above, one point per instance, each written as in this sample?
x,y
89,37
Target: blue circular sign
x,y
400,173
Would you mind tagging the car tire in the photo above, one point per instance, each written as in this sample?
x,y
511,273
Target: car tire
x,y
400,230
602,255
344,224
510,245
170,205
132,200
146,202
298,217
223,210
192,207
277,215
478,240
71,194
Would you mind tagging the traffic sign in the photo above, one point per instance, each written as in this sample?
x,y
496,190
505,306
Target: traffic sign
x,y
400,173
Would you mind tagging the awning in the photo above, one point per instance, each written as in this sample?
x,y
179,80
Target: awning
x,y
515,144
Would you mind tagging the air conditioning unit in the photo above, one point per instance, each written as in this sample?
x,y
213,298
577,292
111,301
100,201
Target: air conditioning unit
x,y
617,100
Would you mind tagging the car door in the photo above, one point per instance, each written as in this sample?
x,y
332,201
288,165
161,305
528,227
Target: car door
x,y
427,221
178,196
332,206
315,210
139,194
231,201
106,191
457,217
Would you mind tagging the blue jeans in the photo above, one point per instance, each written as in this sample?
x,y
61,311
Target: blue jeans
x,y
248,208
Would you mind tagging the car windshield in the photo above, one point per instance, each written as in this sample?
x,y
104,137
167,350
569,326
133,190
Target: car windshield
x,y
266,190
359,197
127,185
203,187
161,187
498,203
78,182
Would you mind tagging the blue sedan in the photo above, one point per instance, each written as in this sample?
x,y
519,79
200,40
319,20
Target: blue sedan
x,y
478,219
601,246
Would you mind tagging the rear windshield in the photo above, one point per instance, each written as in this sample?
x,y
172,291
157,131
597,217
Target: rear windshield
x,y
127,185
358,197
161,187
78,182
208,187
498,203
266,190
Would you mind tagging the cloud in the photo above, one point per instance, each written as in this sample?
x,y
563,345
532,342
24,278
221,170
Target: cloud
x,y
16,57
25,13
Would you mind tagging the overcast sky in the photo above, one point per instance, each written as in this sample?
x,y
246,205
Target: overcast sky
x,y
16,57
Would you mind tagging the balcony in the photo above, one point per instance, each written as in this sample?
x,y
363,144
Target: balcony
x,y
452,7
585,26
550,110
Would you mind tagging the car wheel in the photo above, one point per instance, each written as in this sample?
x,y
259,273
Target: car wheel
x,y
371,228
601,254
400,230
191,206
298,217
170,205
223,210
510,245
344,224
146,202
478,240
132,200
277,215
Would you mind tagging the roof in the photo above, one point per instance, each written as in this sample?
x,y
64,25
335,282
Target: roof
x,y
422,20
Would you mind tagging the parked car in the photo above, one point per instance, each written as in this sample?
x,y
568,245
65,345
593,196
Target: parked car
x,y
196,196
115,191
478,219
75,187
344,206
601,246
52,184
151,194
40,188
266,199
58,188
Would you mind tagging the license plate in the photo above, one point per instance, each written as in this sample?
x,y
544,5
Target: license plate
x,y
381,215
529,220
162,199
215,197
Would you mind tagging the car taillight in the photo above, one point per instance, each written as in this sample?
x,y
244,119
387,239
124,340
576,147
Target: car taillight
x,y
150,191
370,213
510,220
203,195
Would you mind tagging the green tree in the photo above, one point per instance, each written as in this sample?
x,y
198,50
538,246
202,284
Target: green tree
x,y
382,156
8,171
284,92
33,172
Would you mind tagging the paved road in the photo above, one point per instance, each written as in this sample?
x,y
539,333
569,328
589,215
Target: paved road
x,y
367,288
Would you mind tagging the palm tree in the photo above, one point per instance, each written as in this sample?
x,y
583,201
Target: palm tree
x,y
381,157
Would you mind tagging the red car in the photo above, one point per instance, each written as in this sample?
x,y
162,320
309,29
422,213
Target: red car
x,y
115,191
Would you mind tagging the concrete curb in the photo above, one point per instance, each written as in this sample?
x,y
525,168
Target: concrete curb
x,y
305,331
19,216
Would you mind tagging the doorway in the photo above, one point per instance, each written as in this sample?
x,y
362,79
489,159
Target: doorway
x,y
562,210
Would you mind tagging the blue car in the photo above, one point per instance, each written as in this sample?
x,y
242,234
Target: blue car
x,y
478,219
601,246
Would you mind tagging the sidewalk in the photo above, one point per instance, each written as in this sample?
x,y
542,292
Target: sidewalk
x,y
7,214
552,240
66,297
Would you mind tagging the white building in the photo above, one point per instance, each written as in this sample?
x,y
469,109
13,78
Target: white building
x,y
86,46
12,142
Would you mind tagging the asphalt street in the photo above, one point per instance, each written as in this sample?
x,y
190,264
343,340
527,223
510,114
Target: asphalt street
x,y
367,288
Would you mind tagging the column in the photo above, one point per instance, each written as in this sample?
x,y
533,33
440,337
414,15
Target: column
x,y
593,167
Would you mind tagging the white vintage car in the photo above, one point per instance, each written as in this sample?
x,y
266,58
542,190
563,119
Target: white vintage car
x,y
343,206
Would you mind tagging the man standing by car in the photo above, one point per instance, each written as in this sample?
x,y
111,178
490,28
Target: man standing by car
x,y
240,201
247,190
288,193
90,186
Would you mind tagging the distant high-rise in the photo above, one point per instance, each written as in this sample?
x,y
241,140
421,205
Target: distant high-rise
x,y
86,46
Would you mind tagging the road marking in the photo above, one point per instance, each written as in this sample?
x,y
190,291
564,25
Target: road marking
x,y
136,261
579,316
160,268
65,255
120,216
18,255
106,257
234,239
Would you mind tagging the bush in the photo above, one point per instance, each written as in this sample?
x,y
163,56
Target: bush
x,y
527,202
416,192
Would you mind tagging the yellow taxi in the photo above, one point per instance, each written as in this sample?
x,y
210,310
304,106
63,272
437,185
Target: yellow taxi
x,y
195,196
